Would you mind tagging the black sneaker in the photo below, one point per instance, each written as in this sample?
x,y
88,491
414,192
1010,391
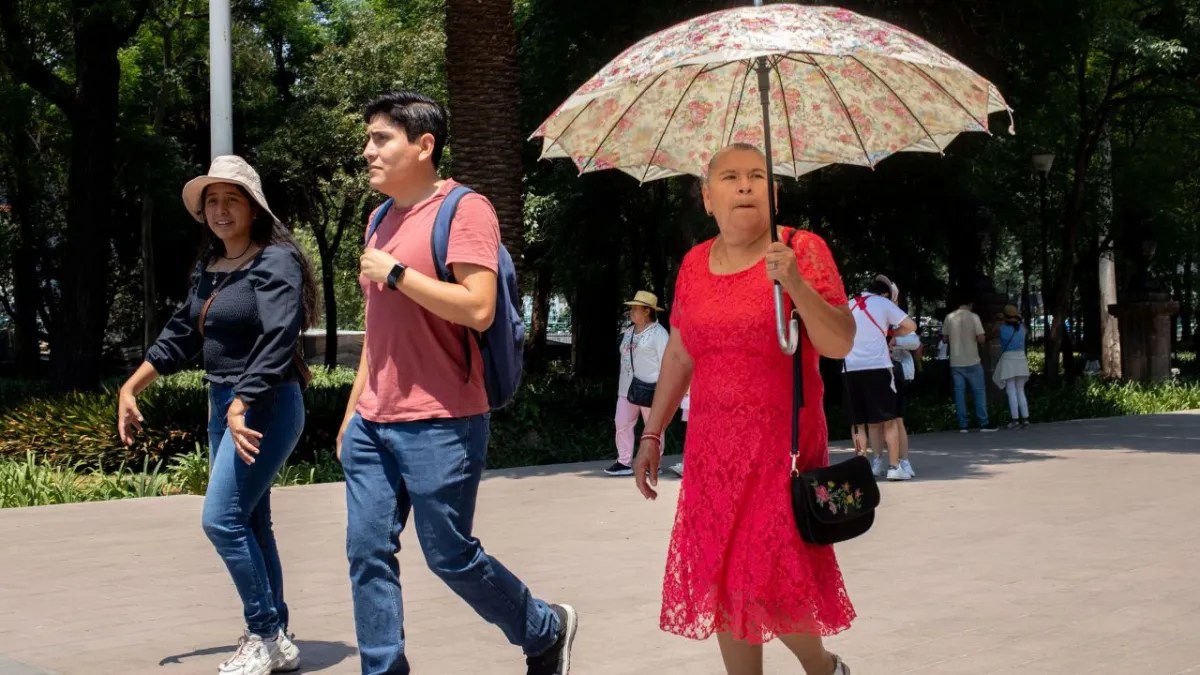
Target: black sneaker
x,y
988,428
557,659
619,469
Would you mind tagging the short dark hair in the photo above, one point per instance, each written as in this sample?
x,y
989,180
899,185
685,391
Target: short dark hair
x,y
880,287
416,114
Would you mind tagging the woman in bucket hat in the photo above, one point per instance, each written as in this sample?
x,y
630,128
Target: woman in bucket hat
x,y
252,294
1012,370
643,344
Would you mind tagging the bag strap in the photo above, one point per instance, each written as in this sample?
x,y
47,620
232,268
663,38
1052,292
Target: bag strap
x,y
379,214
797,382
632,347
439,248
860,301
217,289
1011,338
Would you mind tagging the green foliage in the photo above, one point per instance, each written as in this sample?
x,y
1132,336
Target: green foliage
x,y
81,426
189,472
29,482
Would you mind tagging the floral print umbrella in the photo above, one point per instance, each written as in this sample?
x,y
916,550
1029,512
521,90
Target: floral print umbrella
x,y
842,89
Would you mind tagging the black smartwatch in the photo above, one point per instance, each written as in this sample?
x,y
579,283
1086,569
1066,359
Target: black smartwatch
x,y
396,275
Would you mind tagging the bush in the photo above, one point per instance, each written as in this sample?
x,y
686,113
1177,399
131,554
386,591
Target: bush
x,y
555,418
80,427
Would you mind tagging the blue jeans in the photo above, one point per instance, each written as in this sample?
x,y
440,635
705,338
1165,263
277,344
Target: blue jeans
x,y
433,468
237,507
972,375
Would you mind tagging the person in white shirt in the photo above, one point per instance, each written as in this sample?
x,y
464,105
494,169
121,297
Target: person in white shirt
x,y
905,371
677,468
869,386
642,347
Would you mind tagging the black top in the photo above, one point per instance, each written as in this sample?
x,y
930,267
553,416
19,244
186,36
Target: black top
x,y
250,331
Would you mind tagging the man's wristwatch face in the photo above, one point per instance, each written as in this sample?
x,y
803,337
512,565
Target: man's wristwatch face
x,y
395,275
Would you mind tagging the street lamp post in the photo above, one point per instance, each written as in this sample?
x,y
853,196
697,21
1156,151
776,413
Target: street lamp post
x,y
1041,164
220,78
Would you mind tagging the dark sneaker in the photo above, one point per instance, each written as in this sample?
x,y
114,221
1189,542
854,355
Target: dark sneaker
x,y
619,469
988,428
557,659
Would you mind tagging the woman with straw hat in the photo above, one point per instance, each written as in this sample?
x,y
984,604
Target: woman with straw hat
x,y
1012,370
252,294
643,344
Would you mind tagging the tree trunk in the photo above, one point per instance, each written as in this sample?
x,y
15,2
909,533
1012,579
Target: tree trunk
x,y
539,326
1187,308
23,194
1110,336
481,75
91,106
76,353
149,287
330,300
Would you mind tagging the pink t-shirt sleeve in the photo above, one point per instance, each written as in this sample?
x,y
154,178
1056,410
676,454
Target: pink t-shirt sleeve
x,y
474,234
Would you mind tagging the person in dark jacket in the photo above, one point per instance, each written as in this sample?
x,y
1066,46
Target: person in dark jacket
x,y
252,293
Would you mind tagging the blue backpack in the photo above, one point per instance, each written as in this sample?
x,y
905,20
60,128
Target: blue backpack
x,y
502,345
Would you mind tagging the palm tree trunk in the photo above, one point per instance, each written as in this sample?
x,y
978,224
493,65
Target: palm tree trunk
x,y
485,138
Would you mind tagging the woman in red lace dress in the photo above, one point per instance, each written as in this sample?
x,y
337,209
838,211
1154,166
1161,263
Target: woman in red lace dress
x,y
736,565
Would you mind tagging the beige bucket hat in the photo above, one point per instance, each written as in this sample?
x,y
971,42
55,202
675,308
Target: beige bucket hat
x,y
224,169
645,299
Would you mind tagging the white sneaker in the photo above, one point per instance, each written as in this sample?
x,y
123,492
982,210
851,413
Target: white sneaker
x,y
254,656
877,466
287,658
897,473
677,469
839,666
907,468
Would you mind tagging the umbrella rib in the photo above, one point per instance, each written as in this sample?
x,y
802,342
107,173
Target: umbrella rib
x,y
945,91
649,162
737,110
568,127
902,102
845,110
787,118
618,119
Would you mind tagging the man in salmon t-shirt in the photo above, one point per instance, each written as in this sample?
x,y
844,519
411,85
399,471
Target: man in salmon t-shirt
x,y
416,428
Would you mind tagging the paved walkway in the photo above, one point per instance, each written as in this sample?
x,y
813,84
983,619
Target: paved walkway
x,y
1065,548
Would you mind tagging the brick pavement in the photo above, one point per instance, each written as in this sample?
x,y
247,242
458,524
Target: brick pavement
x,y
1065,548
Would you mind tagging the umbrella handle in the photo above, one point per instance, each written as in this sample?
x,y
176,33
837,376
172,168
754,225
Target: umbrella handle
x,y
787,332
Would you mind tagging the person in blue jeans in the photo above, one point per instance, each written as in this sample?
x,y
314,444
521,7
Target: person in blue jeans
x,y
963,332
414,438
251,294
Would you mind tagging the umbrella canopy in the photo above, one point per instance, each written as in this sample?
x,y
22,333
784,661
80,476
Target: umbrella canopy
x,y
844,89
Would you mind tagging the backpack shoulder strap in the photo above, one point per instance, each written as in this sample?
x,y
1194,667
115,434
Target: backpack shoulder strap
x,y
439,244
379,214
439,239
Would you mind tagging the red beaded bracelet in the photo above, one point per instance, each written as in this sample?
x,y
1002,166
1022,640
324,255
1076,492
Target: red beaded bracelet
x,y
657,438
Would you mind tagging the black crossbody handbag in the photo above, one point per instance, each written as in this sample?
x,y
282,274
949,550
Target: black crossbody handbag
x,y
833,503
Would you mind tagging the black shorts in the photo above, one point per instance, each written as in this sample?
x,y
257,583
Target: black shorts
x,y
901,388
869,397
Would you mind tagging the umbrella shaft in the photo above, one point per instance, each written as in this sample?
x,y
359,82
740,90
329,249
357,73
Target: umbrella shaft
x,y
764,95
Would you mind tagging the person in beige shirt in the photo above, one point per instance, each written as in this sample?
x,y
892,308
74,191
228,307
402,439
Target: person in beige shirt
x,y
963,332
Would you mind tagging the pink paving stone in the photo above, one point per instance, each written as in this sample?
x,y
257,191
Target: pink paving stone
x,y
1064,548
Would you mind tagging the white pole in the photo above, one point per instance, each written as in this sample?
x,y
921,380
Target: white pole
x,y
220,72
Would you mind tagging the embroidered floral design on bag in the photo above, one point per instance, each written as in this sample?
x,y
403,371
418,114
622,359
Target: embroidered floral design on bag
x,y
842,498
